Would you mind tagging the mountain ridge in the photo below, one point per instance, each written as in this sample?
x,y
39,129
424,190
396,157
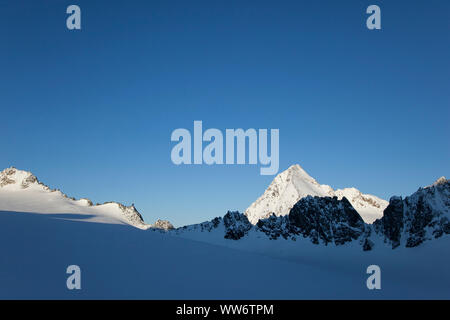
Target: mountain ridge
x,y
409,222
288,187
331,217
42,199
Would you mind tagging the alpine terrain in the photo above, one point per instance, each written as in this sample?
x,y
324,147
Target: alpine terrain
x,y
293,184
299,240
21,191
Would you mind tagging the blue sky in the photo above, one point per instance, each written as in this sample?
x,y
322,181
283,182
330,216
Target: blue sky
x,y
91,112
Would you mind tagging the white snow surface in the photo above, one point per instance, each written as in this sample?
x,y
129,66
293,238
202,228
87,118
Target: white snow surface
x,y
120,261
295,183
21,191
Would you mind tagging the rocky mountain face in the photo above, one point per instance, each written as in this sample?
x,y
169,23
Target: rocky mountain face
x,y
330,220
424,215
294,184
163,225
19,178
132,215
321,219
327,217
234,225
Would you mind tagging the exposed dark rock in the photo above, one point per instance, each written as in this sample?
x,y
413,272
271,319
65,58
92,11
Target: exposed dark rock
x,y
326,219
417,218
274,227
236,225
391,224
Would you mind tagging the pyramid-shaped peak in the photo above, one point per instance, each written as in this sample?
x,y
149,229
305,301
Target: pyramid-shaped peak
x,y
296,168
285,190
297,171
298,177
295,183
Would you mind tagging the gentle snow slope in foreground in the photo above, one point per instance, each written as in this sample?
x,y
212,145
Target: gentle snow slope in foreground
x,y
120,261
21,191
294,183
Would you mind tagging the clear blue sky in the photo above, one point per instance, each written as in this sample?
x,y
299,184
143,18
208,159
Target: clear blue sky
x,y
91,111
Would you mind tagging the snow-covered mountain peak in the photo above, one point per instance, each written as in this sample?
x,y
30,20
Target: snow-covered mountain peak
x,y
14,178
442,180
285,190
296,172
21,191
300,179
295,183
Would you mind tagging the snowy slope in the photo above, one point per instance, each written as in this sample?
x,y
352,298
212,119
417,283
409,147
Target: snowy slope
x,y
123,262
21,191
369,207
294,183
42,232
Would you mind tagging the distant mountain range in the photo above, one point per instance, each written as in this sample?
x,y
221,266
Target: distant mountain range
x,y
294,207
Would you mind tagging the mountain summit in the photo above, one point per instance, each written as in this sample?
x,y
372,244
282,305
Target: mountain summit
x,y
295,183
325,220
21,191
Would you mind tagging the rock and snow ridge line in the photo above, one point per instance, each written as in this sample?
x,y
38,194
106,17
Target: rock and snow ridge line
x,y
409,222
284,192
293,184
21,191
